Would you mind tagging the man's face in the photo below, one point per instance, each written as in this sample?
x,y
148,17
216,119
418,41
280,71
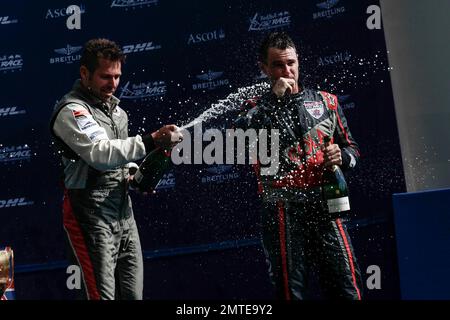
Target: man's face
x,y
104,81
281,63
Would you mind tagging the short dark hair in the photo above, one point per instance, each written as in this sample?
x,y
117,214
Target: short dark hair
x,y
279,40
95,49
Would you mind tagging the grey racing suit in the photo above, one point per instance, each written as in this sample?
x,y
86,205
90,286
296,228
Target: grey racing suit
x,y
92,137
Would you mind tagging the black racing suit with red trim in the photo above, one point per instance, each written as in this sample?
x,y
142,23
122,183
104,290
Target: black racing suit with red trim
x,y
299,235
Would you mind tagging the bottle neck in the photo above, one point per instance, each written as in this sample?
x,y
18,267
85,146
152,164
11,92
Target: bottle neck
x,y
327,143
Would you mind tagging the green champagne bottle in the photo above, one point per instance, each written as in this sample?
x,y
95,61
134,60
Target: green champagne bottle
x,y
153,167
334,187
151,170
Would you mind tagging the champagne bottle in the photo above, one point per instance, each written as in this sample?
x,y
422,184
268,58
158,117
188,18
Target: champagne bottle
x,y
334,187
153,167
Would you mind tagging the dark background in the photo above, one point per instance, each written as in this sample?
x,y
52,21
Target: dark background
x,y
200,239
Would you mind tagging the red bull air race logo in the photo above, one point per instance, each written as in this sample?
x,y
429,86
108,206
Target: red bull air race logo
x,y
167,182
11,63
133,4
143,91
15,153
269,21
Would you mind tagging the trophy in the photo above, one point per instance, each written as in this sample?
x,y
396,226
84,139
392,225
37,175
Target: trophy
x,y
6,269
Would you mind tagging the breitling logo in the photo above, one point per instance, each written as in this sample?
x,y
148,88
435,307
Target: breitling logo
x,y
327,4
211,79
67,55
220,173
68,50
210,75
328,9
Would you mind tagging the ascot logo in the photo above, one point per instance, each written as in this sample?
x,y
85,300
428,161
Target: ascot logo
x,y
62,12
220,173
345,103
133,3
269,21
140,47
67,54
13,62
339,57
143,90
211,81
15,202
15,153
328,9
10,111
206,36
7,20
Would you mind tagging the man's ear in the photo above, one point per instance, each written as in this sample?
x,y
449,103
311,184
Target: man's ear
x,y
263,67
84,73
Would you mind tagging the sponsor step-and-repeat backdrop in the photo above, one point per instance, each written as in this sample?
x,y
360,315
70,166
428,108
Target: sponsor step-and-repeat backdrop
x,y
183,58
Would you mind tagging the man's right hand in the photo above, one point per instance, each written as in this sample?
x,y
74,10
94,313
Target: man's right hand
x,y
163,136
282,86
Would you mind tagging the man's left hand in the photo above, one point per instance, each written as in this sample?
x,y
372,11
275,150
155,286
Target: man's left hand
x,y
332,155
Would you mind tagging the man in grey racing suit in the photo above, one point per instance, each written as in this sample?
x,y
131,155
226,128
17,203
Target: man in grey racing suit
x,y
90,131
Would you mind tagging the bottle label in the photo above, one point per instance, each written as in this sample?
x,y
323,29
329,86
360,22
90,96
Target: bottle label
x,y
338,205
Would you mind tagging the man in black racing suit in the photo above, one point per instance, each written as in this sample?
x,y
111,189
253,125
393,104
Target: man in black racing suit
x,y
299,235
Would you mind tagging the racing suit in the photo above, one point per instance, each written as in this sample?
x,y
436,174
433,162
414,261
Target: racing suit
x,y
299,235
92,137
